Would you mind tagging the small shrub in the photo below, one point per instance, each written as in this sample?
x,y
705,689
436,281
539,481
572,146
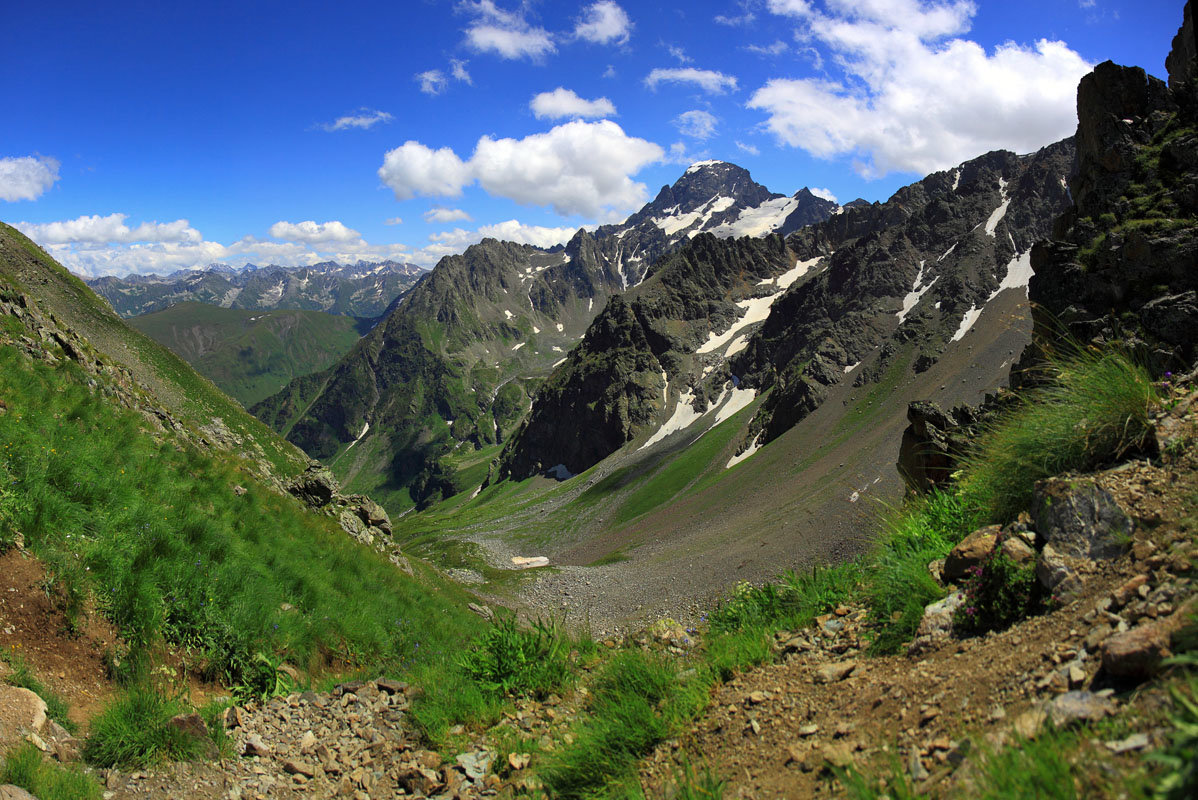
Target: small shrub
x,y
509,660
134,730
998,593
25,767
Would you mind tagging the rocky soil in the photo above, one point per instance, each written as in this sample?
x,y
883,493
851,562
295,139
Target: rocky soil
x,y
778,732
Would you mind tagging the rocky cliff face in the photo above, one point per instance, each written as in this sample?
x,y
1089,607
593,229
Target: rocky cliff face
x,y
1121,265
641,353
722,321
909,275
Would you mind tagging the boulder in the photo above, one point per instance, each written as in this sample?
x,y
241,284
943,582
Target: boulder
x,y
1079,518
1136,653
316,486
971,552
353,525
1058,574
371,513
937,623
21,712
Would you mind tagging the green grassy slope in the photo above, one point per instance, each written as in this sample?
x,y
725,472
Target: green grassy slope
x,y
251,354
181,391
148,530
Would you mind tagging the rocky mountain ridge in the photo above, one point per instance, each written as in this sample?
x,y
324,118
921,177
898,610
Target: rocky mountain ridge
x,y
451,368
363,289
871,283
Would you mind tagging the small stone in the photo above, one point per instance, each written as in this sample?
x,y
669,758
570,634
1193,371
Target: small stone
x,y
758,697
308,743
1121,596
808,730
1137,741
915,766
833,673
254,746
293,767
927,715
391,687
1078,706
1136,653
10,792
518,761
755,726
1028,724
1077,676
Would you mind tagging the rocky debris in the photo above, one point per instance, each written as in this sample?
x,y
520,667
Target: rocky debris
x,y
361,518
353,741
1079,518
10,792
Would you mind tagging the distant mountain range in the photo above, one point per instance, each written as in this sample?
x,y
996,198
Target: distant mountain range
x,y
364,289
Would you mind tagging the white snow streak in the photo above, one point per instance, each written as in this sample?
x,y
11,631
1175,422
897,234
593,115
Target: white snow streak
x,y
517,347
1001,211
750,450
684,414
916,294
365,428
759,220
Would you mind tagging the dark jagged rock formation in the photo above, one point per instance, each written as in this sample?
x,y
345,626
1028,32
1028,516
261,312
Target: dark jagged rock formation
x,y
1121,264
616,382
946,245
364,289
905,275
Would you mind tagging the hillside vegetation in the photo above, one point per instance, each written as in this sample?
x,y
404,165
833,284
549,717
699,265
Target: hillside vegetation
x,y
251,355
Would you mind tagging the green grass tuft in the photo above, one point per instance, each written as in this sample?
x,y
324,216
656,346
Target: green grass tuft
x,y
25,767
1095,408
511,660
134,730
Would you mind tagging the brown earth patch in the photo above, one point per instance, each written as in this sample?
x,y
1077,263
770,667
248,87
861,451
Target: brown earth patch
x,y
72,665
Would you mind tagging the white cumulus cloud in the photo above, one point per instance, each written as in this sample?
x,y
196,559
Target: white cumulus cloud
x,y
27,177
363,118
826,194
509,231
696,124
708,80
457,68
604,23
576,168
505,33
915,97
413,169
311,232
563,102
439,214
94,229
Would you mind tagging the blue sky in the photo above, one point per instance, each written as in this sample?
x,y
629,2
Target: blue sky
x,y
152,136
